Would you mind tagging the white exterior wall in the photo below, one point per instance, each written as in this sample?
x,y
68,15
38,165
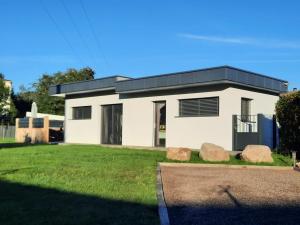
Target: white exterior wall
x,y
138,118
86,131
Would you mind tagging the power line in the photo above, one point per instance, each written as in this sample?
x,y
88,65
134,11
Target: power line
x,y
94,34
78,31
60,30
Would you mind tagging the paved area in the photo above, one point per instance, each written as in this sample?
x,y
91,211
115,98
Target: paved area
x,y
231,196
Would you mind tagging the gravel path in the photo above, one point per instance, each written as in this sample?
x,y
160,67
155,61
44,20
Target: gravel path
x,y
231,196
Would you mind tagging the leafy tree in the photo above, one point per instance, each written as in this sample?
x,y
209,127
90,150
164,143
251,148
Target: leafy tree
x,y
11,115
4,96
55,105
288,116
39,92
23,101
7,108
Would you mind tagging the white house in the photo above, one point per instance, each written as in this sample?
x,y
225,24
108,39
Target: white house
x,y
222,105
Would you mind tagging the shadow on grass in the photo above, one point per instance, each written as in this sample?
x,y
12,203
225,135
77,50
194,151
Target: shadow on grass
x,y
32,205
18,145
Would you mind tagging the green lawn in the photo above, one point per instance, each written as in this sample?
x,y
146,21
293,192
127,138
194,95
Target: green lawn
x,y
7,140
81,185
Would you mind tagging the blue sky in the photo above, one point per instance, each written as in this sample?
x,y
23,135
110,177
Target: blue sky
x,y
148,37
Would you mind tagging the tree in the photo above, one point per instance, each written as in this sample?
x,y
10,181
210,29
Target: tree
x,y
4,96
23,101
55,105
288,116
7,108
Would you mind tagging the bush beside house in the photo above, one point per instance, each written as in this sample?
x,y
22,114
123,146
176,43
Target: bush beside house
x,y
288,116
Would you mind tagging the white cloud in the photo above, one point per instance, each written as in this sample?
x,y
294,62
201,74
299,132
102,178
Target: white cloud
x,y
268,43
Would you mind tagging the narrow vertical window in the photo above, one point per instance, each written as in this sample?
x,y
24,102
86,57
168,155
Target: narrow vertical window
x,y
246,109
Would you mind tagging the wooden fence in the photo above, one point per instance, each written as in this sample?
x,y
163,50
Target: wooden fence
x,y
7,131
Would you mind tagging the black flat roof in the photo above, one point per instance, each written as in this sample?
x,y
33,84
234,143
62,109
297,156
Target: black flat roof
x,y
100,84
201,77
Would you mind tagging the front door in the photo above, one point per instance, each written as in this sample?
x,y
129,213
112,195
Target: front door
x,y
160,124
112,124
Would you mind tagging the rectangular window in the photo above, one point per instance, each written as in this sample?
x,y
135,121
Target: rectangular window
x,y
38,122
246,109
56,123
199,107
24,122
82,113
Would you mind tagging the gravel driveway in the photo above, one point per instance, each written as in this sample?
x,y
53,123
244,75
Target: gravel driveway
x,y
231,196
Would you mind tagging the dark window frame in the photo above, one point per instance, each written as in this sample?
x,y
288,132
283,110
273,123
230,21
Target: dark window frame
x,y
38,123
246,112
199,114
23,122
116,110
81,115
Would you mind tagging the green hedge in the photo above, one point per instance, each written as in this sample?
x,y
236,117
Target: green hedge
x,y
288,116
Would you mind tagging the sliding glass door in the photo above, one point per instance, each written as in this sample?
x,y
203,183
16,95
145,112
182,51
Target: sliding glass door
x,y
112,124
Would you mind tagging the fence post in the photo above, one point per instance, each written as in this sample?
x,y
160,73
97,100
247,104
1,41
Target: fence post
x,y
260,128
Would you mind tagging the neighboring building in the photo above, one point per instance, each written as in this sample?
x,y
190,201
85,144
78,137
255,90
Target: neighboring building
x,y
218,105
8,83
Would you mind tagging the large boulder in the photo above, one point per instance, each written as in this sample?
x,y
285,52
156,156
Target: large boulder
x,y
257,154
181,154
214,153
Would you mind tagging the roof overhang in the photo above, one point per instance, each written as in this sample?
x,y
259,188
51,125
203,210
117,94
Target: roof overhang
x,y
212,83
196,78
83,92
88,86
217,75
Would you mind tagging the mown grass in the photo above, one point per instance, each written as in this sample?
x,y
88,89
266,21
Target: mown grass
x,y
77,185
7,140
74,184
